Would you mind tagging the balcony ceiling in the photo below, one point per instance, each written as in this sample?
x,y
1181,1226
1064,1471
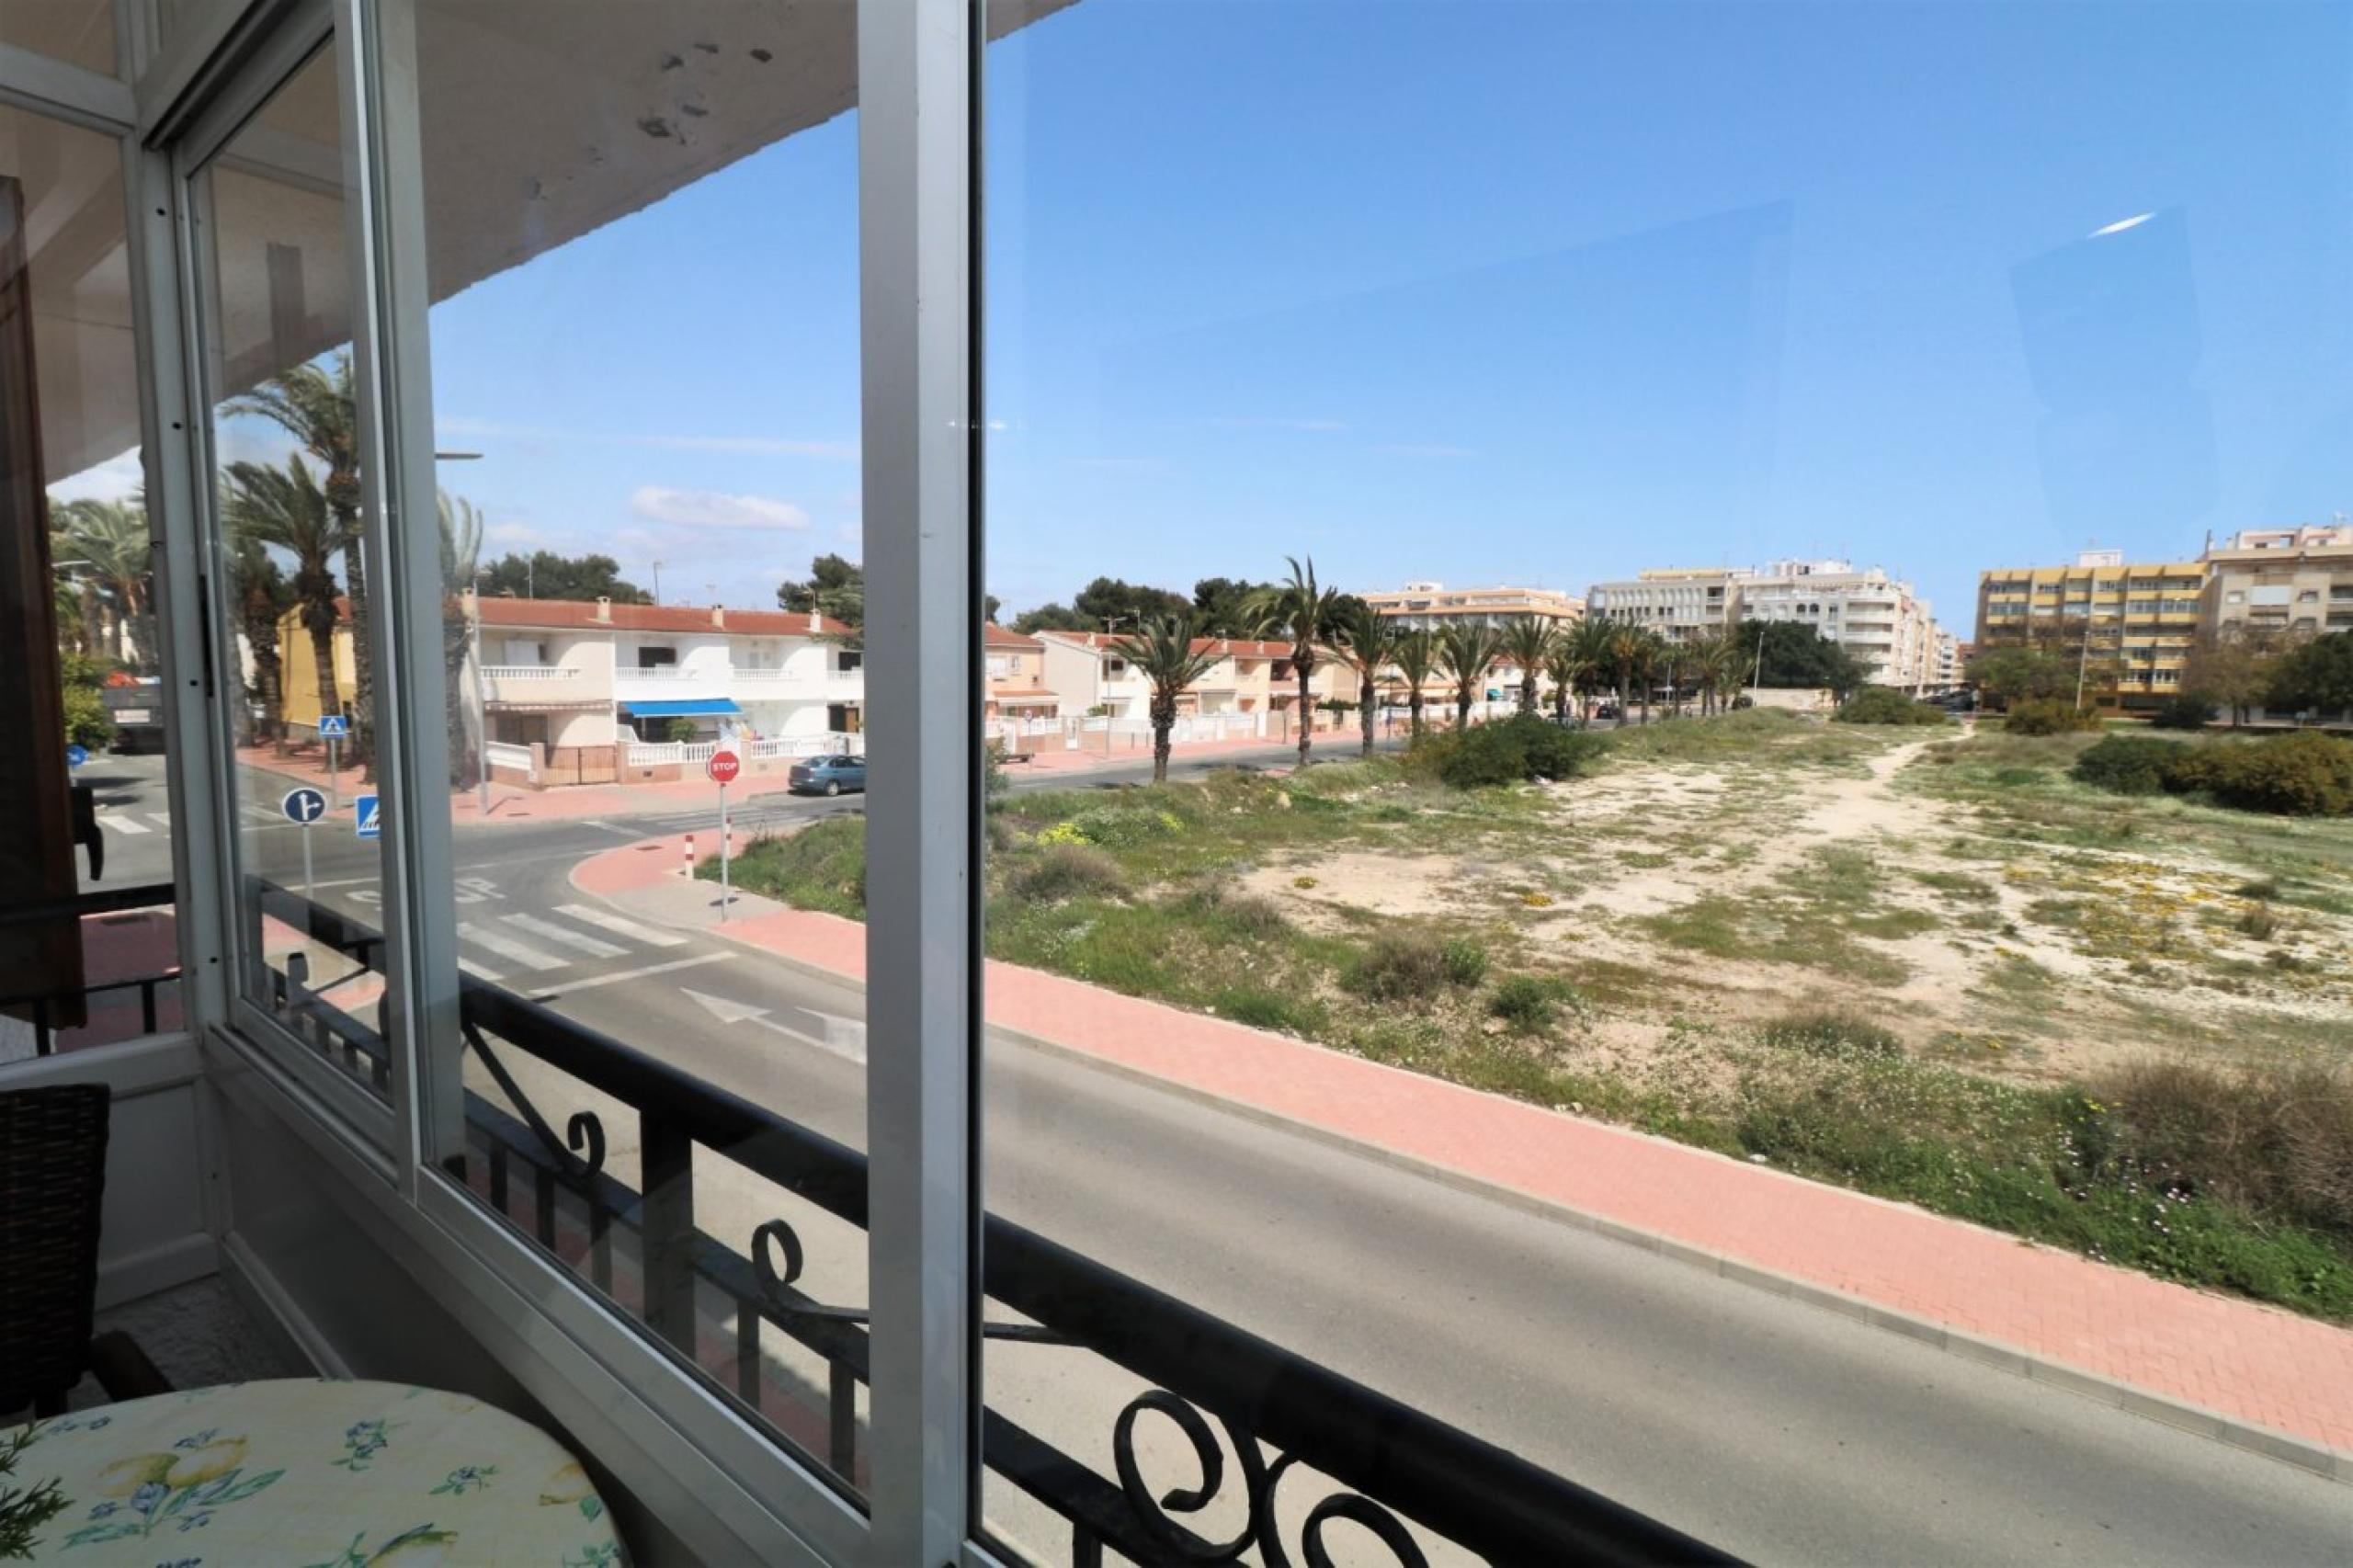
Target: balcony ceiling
x,y
538,128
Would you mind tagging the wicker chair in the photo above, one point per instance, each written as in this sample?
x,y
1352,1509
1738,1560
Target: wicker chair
x,y
53,1175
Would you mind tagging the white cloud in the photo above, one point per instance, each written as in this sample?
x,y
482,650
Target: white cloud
x,y
710,509
2122,225
116,479
753,445
515,533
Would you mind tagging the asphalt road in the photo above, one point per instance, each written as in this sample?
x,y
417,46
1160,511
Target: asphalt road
x,y
1779,1431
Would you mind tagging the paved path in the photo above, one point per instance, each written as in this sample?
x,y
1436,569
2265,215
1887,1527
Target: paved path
x,y
2264,1378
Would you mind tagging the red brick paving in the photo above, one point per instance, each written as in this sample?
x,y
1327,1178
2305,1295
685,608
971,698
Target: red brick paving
x,y
2236,1358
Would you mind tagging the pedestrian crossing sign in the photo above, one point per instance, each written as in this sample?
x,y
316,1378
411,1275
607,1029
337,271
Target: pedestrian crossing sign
x,y
368,821
334,727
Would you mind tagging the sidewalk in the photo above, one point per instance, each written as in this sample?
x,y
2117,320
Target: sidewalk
x,y
2225,1367
571,802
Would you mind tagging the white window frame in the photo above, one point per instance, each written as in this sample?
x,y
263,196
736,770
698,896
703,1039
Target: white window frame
x,y
918,218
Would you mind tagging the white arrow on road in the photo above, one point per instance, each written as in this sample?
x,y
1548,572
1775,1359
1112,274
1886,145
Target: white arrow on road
x,y
844,1036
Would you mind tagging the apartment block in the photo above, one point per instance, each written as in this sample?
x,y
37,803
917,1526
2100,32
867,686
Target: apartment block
x,y
575,675
1681,604
1876,618
1433,605
1086,672
2292,582
2136,621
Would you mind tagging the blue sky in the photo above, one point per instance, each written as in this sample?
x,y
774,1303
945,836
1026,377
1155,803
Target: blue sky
x,y
1527,292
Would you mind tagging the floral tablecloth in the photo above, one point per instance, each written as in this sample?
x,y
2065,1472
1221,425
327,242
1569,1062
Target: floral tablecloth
x,y
313,1474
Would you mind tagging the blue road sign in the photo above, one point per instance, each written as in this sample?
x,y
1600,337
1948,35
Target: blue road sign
x,y
76,756
304,806
368,822
334,727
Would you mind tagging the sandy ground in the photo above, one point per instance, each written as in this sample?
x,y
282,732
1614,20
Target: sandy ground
x,y
2049,964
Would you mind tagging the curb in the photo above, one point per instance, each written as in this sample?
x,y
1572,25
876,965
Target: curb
x,y
2319,1459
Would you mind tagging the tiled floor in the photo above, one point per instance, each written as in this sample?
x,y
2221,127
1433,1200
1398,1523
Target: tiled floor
x,y
197,1335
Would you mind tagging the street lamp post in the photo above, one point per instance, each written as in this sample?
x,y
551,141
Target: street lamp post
x,y
482,708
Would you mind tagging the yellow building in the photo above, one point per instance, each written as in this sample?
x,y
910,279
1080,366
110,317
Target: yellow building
x,y
298,672
2134,623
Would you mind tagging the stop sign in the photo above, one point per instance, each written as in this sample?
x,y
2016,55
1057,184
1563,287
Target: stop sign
x,y
723,767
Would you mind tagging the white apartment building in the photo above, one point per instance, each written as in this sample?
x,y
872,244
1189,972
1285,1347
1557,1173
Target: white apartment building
x,y
2297,581
1876,618
1945,670
569,673
1680,603
1433,605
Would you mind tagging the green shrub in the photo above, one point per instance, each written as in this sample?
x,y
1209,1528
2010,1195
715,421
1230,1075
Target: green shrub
x,y
822,866
1885,705
1508,752
1528,1001
1414,969
1124,826
1264,1009
2127,765
1238,914
2182,711
2306,774
2277,1143
1830,1034
1465,959
1068,870
2047,716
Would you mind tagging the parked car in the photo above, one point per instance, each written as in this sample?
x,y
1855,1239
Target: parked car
x,y
828,774
1607,710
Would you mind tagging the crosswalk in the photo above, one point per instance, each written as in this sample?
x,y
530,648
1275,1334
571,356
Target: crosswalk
x,y
139,823
491,946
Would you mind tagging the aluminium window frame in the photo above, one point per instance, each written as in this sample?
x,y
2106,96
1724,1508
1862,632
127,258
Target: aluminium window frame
x,y
918,62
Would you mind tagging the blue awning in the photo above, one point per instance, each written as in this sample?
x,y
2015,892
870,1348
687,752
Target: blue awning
x,y
685,708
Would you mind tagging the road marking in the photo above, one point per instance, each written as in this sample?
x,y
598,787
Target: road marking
x,y
844,1036
125,823
523,953
609,827
161,819
622,926
594,980
479,972
564,937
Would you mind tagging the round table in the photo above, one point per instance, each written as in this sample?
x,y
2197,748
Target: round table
x,y
313,1474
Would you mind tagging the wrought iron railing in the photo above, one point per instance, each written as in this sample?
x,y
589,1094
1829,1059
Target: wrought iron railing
x,y
1397,1474
41,1008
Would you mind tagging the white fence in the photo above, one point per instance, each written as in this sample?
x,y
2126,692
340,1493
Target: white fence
x,y
654,754
501,754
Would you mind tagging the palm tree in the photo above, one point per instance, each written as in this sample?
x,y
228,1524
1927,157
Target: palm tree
x,y
1564,662
460,552
1301,612
1527,642
1368,641
1467,649
1162,651
285,509
261,599
111,539
1415,657
315,405
1590,655
1719,663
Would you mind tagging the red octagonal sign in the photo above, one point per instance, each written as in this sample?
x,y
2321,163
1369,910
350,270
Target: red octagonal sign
x,y
723,767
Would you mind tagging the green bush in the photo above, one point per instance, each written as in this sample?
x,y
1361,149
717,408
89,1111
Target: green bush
x,y
1068,870
1508,752
2275,1142
1528,1001
2047,716
1236,912
87,722
1830,1035
2182,711
2127,765
1416,969
2305,774
1885,705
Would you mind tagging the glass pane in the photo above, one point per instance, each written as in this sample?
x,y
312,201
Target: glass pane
x,y
290,593
644,345
1667,393
72,408
80,32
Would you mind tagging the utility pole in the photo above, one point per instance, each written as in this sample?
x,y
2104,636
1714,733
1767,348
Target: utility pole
x,y
657,582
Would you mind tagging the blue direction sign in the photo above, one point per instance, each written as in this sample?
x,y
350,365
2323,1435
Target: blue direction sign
x,y
334,727
75,756
368,822
304,806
